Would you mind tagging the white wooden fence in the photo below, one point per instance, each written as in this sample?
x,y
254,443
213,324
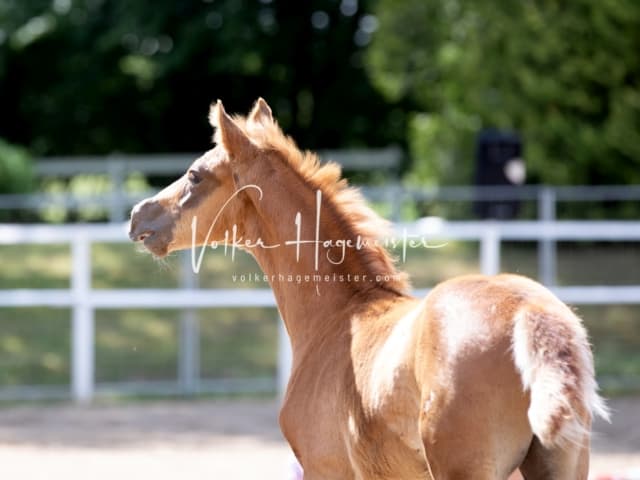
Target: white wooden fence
x,y
84,300
118,166
117,202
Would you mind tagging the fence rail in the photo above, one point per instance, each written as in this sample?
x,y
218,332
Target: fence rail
x,y
117,164
84,300
118,200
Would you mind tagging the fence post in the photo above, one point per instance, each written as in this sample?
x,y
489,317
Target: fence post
x,y
285,358
547,260
490,250
82,327
394,194
116,169
189,346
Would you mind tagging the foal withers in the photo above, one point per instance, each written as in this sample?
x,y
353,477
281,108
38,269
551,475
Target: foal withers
x,y
483,376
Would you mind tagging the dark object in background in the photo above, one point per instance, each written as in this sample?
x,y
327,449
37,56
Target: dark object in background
x,y
498,163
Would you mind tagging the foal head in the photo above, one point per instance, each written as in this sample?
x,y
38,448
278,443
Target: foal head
x,y
205,199
219,199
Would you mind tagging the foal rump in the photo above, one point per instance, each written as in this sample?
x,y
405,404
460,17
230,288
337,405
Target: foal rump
x,y
552,353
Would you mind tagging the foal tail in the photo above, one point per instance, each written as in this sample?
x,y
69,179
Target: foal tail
x,y
554,358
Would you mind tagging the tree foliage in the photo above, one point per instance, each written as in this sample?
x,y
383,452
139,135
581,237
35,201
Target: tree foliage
x,y
94,76
564,74
16,173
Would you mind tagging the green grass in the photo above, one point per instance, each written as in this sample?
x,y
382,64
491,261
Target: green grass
x,y
239,343
141,344
34,346
136,344
35,266
615,335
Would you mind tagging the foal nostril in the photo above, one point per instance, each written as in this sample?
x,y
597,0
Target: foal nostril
x,y
142,216
137,232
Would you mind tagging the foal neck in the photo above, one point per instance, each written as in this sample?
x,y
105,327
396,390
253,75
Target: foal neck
x,y
320,267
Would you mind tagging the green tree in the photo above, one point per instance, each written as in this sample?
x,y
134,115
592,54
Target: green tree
x,y
564,74
16,173
93,76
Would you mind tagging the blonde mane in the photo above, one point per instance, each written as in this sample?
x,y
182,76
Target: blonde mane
x,y
355,217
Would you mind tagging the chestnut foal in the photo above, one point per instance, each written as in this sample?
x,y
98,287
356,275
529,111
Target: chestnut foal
x,y
483,376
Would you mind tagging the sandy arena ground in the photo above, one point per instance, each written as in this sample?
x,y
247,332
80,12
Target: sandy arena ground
x,y
236,440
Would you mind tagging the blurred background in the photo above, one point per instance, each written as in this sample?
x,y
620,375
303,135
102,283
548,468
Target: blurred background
x,y
511,130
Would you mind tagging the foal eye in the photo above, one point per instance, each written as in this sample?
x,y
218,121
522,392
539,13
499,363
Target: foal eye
x,y
194,178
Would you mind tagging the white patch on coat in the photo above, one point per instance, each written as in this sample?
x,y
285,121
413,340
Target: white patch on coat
x,y
390,358
429,402
352,426
461,325
185,198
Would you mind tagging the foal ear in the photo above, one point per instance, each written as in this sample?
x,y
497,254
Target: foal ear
x,y
261,113
228,133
